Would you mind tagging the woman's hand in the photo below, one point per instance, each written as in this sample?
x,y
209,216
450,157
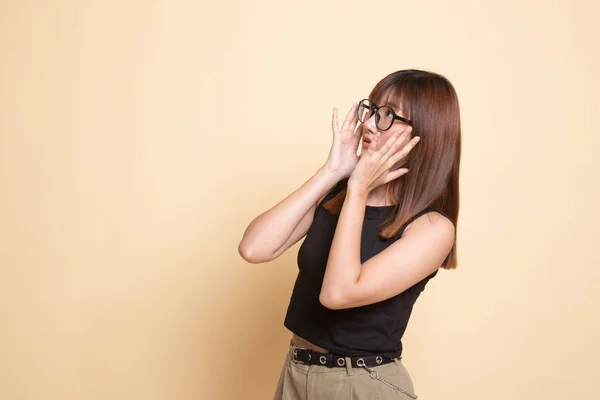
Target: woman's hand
x,y
342,156
373,169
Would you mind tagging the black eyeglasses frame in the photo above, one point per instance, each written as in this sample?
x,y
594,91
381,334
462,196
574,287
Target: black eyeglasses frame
x,y
374,109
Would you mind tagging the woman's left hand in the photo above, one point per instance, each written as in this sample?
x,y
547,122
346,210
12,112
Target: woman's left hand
x,y
373,168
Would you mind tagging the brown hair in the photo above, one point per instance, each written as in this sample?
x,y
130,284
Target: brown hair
x,y
430,101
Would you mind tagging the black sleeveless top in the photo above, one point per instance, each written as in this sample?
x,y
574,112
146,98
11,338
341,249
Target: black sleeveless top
x,y
373,329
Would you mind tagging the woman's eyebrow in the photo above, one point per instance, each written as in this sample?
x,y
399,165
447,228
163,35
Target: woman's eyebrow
x,y
395,106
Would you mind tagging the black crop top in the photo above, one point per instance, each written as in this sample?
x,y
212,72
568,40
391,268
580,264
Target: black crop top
x,y
359,331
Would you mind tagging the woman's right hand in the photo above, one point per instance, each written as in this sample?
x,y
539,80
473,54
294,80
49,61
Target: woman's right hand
x,y
342,156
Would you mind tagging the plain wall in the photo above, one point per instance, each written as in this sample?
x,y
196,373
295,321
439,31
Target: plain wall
x,y
138,139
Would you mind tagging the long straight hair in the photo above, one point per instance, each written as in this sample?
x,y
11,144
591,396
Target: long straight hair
x,y
430,101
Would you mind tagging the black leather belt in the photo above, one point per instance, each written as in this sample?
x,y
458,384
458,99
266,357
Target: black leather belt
x,y
308,356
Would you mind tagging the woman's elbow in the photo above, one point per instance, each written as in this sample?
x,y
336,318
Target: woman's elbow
x,y
248,255
330,300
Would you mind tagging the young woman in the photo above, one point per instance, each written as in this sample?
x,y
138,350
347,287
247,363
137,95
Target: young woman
x,y
378,227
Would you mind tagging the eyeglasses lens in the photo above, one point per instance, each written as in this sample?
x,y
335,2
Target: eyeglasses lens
x,y
383,119
365,110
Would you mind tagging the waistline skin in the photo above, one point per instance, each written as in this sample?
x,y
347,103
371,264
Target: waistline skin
x,y
301,342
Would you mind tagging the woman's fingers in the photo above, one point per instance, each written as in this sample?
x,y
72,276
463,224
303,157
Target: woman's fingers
x,y
399,142
390,176
374,143
334,121
405,150
347,126
358,130
350,121
388,152
395,142
354,122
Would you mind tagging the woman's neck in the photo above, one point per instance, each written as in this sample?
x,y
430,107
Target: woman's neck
x,y
377,196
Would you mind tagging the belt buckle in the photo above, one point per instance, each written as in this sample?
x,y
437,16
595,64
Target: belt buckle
x,y
295,356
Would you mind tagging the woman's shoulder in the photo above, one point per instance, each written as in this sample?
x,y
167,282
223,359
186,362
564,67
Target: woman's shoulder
x,y
430,218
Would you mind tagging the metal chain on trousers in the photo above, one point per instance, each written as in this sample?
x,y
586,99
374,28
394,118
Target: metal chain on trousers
x,y
375,375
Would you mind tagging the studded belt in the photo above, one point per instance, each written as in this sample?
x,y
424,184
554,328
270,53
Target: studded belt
x,y
308,356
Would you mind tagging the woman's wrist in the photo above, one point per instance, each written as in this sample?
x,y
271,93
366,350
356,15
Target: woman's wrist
x,y
354,189
331,173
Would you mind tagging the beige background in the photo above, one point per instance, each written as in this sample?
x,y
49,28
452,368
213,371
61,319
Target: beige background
x,y
139,138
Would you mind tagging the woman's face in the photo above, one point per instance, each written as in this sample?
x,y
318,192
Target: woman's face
x,y
369,129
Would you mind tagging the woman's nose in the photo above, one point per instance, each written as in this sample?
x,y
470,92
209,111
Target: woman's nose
x,y
370,124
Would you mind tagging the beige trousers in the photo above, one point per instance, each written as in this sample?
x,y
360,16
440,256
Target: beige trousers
x,y
299,381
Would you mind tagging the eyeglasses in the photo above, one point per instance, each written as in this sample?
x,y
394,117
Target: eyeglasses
x,y
384,115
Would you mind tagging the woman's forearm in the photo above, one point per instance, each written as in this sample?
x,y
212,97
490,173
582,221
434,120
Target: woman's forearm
x,y
271,229
343,265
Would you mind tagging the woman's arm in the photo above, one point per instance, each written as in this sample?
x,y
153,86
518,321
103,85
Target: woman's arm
x,y
277,229
418,253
